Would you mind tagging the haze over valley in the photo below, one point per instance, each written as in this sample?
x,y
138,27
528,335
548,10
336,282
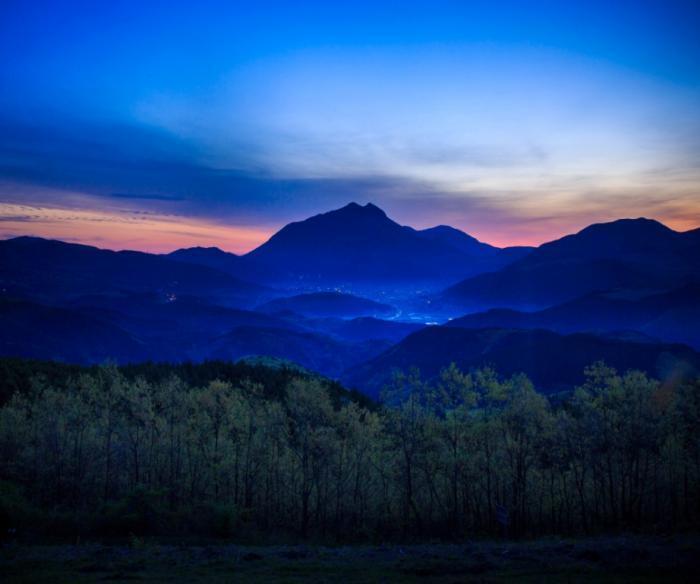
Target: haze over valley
x,y
347,291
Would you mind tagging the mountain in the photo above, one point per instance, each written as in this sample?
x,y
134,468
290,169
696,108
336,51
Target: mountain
x,y
52,271
365,328
324,304
360,244
497,257
458,239
28,329
632,254
144,329
212,257
313,351
554,362
224,261
121,328
623,238
672,316
181,320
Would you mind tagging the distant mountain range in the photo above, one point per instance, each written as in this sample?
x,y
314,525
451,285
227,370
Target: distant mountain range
x,y
672,316
52,270
349,293
147,330
626,254
153,315
358,245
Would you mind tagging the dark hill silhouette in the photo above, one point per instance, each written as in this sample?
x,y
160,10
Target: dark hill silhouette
x,y
28,329
672,316
629,238
212,257
181,319
554,362
89,335
485,257
365,328
327,304
458,239
52,270
625,254
226,262
314,351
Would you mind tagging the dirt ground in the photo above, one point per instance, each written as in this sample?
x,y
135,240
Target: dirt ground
x,y
603,559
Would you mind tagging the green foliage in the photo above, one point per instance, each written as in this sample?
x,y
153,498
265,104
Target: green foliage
x,y
248,452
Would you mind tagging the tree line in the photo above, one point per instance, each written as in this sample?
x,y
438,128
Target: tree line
x,y
466,454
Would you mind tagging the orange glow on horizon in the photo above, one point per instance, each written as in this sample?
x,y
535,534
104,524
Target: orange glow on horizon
x,y
161,233
149,232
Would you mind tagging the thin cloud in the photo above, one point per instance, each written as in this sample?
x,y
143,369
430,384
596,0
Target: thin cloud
x,y
95,168
146,197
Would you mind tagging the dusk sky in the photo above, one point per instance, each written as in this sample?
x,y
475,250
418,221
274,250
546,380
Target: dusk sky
x,y
153,126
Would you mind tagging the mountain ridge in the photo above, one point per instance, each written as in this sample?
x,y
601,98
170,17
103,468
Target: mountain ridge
x,y
652,314
48,269
626,253
362,244
554,362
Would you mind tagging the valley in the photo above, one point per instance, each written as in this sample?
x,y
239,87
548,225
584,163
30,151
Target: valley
x,y
349,291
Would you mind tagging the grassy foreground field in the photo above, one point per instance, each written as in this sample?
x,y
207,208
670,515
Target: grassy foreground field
x,y
608,559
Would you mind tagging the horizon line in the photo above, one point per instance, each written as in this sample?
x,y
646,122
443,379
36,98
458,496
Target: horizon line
x,y
96,243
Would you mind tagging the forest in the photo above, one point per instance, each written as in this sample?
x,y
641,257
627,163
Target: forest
x,y
261,454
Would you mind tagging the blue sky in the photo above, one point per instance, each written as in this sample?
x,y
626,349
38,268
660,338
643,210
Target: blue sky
x,y
155,125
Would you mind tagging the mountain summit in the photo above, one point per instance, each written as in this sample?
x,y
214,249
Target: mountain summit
x,y
348,226
360,243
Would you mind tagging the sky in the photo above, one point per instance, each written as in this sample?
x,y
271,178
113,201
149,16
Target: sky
x,y
159,125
